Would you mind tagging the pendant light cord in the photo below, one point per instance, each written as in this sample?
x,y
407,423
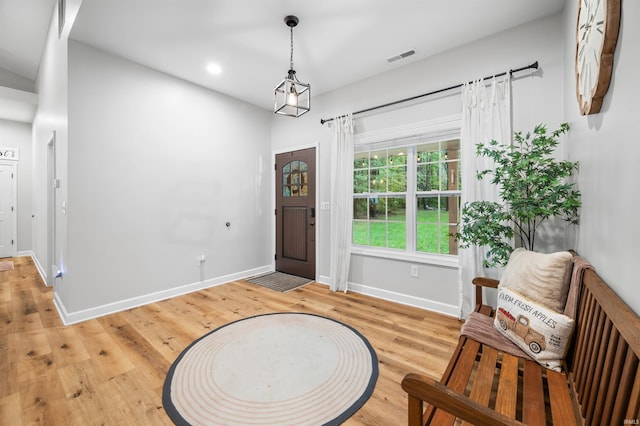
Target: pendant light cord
x,y
291,58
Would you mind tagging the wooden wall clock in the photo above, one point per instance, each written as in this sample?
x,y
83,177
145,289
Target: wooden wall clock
x,y
596,37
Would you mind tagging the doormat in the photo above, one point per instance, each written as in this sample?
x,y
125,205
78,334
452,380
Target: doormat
x,y
6,266
279,281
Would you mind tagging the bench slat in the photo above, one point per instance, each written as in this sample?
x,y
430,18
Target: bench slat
x,y
446,376
459,378
584,352
587,350
614,382
633,411
481,389
625,388
426,389
533,412
593,411
484,376
507,397
560,399
596,353
579,337
430,410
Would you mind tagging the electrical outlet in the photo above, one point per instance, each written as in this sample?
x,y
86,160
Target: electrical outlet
x,y
414,271
201,259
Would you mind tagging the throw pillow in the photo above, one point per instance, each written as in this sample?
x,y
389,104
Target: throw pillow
x,y
540,332
543,278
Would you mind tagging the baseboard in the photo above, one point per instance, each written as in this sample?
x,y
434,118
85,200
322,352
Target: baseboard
x,y
69,318
404,299
62,312
323,279
41,270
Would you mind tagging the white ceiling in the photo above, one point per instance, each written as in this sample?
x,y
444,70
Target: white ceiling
x,y
23,30
337,41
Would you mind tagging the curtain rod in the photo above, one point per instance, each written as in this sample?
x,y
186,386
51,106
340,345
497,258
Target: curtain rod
x,y
531,66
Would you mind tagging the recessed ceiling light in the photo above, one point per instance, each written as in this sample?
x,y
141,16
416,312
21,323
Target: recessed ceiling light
x,y
214,68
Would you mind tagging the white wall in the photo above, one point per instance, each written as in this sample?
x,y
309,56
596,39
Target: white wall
x,y
50,117
18,135
536,99
157,166
607,147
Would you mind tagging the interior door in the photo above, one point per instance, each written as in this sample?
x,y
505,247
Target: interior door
x,y
6,210
296,213
52,184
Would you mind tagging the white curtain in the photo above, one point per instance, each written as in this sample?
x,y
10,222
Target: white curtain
x,y
341,201
486,115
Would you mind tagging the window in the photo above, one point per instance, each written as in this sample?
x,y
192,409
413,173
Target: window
x,y
438,196
294,179
406,197
379,204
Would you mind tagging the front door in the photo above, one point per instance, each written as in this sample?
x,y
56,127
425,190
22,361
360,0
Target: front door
x,y
7,206
296,213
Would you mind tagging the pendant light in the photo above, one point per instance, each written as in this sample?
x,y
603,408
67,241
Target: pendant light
x,y
291,97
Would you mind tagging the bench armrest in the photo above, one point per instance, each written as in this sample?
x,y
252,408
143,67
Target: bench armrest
x,y
421,388
480,282
485,282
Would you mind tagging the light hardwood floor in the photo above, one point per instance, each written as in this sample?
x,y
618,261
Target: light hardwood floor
x,y
110,370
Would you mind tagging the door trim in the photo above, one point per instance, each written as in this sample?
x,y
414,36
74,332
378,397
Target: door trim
x,y
318,220
52,171
14,203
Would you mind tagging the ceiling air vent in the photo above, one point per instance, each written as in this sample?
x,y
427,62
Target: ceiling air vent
x,y
401,56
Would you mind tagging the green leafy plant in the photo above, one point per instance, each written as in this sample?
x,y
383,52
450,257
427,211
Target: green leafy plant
x,y
533,187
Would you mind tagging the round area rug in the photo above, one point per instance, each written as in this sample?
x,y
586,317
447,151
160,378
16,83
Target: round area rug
x,y
273,369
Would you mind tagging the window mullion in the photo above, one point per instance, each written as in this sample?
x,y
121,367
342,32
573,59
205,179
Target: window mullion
x,y
411,199
441,170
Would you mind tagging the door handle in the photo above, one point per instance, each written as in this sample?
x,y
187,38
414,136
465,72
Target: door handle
x,y
311,224
312,212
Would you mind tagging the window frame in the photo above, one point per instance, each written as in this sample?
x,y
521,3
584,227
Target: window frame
x,y
411,135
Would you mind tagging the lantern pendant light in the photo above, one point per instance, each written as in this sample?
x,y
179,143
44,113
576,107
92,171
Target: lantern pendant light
x,y
291,97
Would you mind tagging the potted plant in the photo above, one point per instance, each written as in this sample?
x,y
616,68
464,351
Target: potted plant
x,y
533,187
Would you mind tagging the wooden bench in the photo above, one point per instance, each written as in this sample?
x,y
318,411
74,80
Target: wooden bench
x,y
600,382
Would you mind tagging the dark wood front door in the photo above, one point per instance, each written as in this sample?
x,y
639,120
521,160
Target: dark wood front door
x,y
296,213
